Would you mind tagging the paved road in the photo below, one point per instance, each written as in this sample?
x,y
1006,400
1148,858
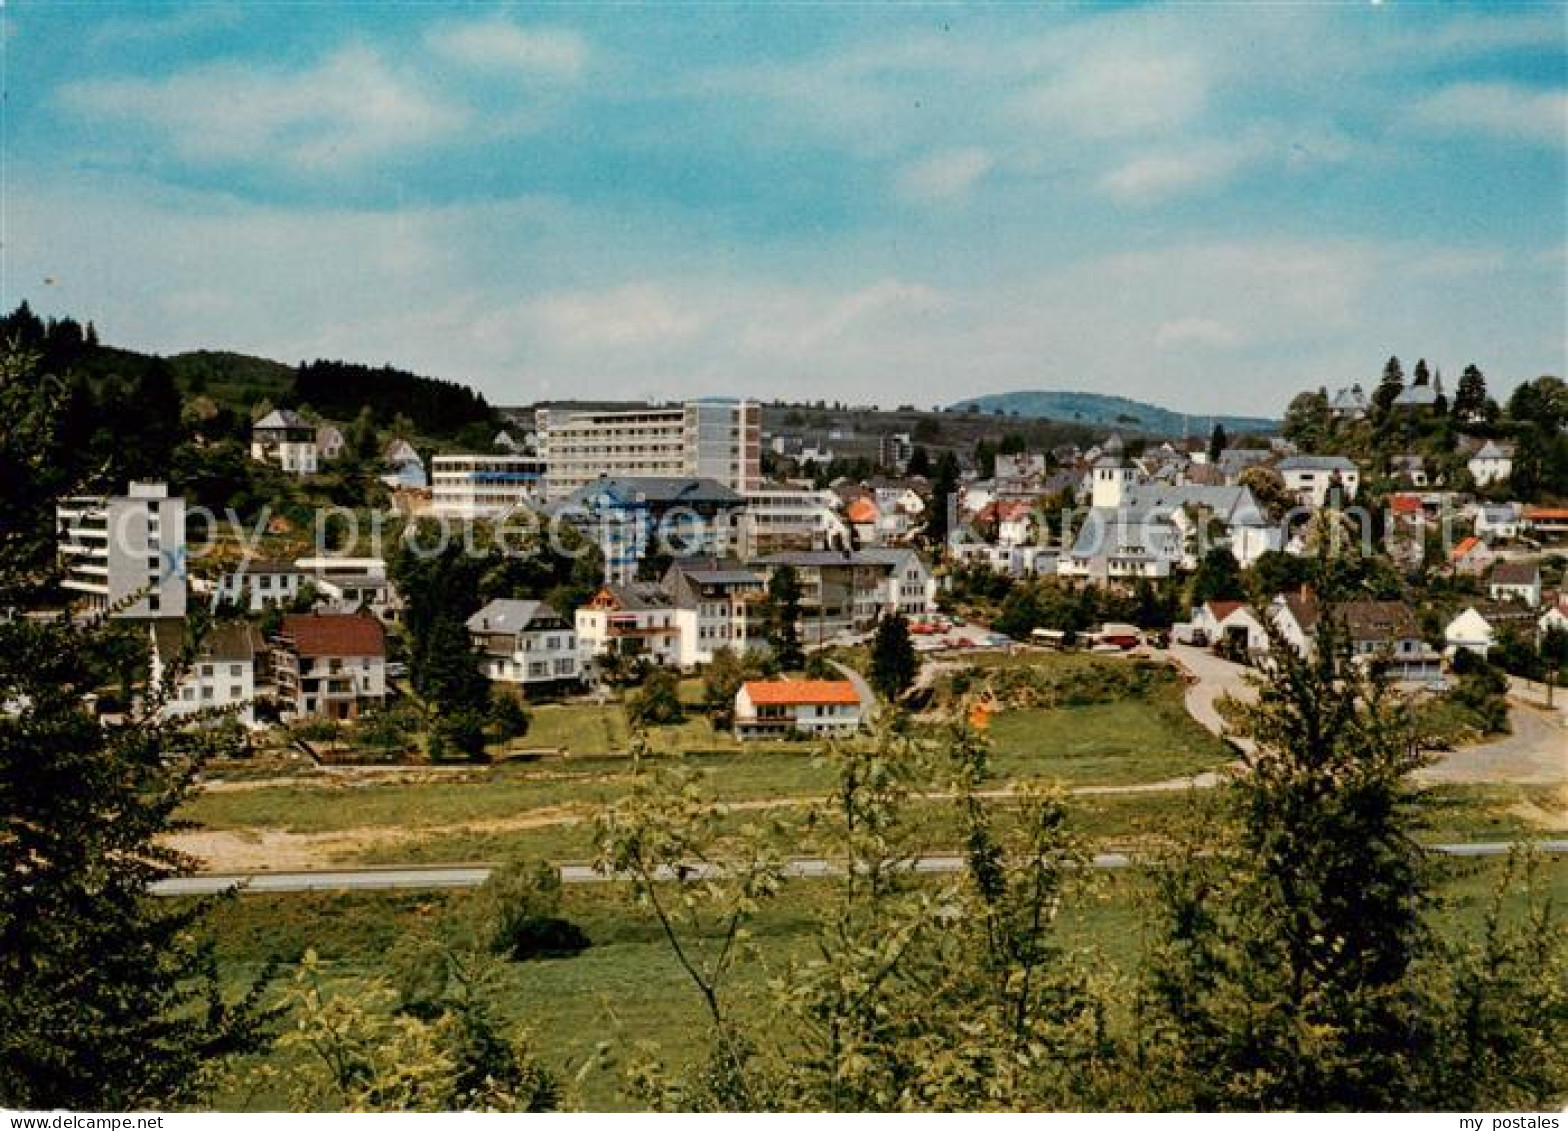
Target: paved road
x,y
385,879
1535,753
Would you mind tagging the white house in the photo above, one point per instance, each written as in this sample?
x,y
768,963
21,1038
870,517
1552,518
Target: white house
x,y
330,665
217,675
1516,581
1231,624
779,708
1472,556
635,620
1555,617
1470,631
1492,463
718,604
1497,522
526,643
285,438
329,442
258,584
1309,477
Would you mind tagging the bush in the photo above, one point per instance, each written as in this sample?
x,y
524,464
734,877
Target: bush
x,y
521,906
657,702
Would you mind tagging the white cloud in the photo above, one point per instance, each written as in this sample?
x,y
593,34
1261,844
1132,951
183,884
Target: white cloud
x,y
1165,173
1125,91
1197,332
500,45
1502,109
349,108
949,175
635,316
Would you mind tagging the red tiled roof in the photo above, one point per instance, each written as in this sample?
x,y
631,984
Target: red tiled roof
x,y
1222,609
862,510
1465,547
1405,504
800,692
1546,512
334,634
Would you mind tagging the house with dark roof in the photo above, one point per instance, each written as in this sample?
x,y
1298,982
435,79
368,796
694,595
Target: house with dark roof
x,y
1377,630
329,665
215,675
719,603
633,620
258,584
527,644
1516,581
285,438
1310,477
632,518
845,591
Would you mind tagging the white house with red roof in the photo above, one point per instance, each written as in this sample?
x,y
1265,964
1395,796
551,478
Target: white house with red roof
x,y
330,664
1231,623
787,708
1472,557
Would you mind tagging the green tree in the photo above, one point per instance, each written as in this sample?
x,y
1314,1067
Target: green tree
x,y
722,679
784,618
1389,388
944,491
1470,396
894,664
1218,578
1218,442
111,999
657,702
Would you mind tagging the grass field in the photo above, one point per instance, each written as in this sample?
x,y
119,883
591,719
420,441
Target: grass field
x,y
628,987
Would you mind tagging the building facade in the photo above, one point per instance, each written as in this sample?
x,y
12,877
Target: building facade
x,y
718,440
484,486
525,643
329,665
286,439
125,550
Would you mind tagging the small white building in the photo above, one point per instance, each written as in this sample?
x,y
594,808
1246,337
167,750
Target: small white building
x,y
329,442
1231,625
1492,463
257,585
286,439
1497,522
1310,478
1516,581
526,643
1469,631
783,708
217,675
484,486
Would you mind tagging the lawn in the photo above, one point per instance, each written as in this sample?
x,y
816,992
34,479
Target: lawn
x,y
1123,743
628,987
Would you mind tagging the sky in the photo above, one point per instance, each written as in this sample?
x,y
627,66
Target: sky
x,y
1209,206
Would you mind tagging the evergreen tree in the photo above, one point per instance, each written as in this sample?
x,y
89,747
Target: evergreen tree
x,y
1218,442
894,664
1217,578
784,618
111,1000
944,489
1470,396
1421,375
1389,388
919,463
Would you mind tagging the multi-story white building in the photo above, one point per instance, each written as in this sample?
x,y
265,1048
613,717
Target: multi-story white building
x,y
1492,463
526,643
635,621
287,439
481,486
845,591
218,674
718,604
779,518
117,547
330,665
719,440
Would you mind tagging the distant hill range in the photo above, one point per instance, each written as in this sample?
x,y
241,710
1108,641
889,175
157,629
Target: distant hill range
x,y
1099,410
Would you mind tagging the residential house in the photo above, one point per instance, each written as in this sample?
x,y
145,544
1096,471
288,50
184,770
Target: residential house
x,y
1478,625
1310,478
1116,545
816,708
718,604
527,644
634,620
286,439
1472,557
329,442
1555,617
1409,470
1546,522
1349,404
1387,630
403,468
894,451
777,518
1516,581
845,591
1418,398
329,665
1492,463
216,675
1231,626
257,584
1497,522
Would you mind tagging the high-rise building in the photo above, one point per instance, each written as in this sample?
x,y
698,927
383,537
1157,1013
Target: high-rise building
x,y
117,547
484,486
708,439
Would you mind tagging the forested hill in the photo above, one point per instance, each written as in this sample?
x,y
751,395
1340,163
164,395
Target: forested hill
x,y
1110,411
237,383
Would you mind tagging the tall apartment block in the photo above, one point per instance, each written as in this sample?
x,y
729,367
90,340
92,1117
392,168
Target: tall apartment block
x,y
115,546
483,486
708,439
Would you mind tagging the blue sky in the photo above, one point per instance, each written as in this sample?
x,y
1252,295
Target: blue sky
x,y
1209,206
